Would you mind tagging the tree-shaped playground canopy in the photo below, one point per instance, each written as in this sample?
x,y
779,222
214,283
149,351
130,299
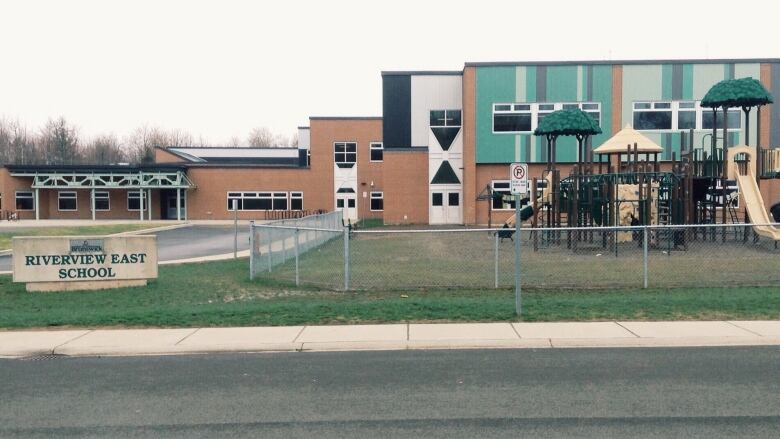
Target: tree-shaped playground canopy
x,y
568,122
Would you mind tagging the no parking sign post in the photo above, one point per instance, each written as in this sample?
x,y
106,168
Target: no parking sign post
x,y
518,185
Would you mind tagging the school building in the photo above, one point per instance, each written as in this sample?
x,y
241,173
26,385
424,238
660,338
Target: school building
x,y
444,140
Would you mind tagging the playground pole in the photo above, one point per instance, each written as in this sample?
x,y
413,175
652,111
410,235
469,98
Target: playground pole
x,y
644,255
518,238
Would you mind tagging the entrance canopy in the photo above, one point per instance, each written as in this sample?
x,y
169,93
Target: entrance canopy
x,y
104,177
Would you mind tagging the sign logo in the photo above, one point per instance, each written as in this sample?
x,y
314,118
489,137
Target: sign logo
x,y
88,246
518,172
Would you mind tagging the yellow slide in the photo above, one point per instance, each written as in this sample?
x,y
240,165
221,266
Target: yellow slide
x,y
751,194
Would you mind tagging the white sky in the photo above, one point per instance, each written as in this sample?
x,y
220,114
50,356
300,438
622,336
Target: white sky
x,y
219,68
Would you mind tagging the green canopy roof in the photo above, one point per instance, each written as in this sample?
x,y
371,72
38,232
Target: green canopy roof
x,y
733,93
570,122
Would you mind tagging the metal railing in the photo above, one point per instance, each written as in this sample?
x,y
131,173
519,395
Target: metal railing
x,y
623,257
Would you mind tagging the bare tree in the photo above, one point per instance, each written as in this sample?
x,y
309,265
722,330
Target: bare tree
x,y
234,142
104,149
59,142
262,137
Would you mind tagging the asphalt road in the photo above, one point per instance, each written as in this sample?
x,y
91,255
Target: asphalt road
x,y
653,392
187,242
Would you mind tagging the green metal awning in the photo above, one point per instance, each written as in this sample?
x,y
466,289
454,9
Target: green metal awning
x,y
54,179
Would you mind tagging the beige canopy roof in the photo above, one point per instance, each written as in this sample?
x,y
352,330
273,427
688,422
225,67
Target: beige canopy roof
x,y
628,136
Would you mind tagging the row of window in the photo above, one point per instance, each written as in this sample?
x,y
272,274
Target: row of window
x,y
67,201
680,115
525,117
264,201
647,115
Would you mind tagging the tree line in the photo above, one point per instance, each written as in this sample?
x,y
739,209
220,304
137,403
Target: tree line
x,y
59,142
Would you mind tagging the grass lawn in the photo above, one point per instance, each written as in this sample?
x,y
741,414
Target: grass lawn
x,y
220,294
108,229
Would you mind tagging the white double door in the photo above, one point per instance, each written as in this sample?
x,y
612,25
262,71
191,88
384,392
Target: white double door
x,y
347,204
445,205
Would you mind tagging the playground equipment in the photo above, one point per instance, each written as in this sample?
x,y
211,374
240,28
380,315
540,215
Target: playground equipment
x,y
751,194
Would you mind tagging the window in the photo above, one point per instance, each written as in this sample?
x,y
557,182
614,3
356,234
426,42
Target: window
x,y
512,118
679,115
735,119
67,201
377,201
345,154
453,198
524,118
377,151
264,200
134,200
652,116
296,200
351,203
445,118
25,201
340,203
502,197
102,201
437,199
280,201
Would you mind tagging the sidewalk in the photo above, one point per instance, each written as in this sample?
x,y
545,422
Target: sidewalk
x,y
85,342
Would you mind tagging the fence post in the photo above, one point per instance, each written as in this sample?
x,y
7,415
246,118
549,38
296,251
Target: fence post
x,y
346,258
644,254
297,273
269,230
251,250
495,260
518,238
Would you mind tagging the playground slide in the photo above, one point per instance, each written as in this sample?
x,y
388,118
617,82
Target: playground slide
x,y
527,211
751,194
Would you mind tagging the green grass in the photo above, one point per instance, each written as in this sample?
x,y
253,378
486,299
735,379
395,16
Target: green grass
x,y
220,294
107,229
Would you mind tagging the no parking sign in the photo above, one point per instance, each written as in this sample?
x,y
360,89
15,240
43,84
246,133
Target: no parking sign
x,y
518,174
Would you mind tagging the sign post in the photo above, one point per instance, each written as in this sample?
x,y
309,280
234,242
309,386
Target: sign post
x,y
518,185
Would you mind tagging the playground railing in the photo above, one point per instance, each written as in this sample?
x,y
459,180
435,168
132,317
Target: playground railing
x,y
626,257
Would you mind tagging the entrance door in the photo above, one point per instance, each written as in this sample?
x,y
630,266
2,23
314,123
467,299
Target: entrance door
x,y
445,207
171,205
347,204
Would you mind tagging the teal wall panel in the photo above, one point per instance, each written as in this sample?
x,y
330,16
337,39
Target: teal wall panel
x,y
494,84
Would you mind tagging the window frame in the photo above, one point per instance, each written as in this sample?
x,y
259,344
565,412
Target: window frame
x,y
107,199
373,196
70,195
376,146
269,196
534,109
502,190
296,195
30,197
446,113
675,109
143,205
344,153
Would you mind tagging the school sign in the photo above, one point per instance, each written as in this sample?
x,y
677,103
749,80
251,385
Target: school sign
x,y
84,262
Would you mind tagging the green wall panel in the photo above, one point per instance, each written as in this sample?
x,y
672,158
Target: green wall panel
x,y
494,84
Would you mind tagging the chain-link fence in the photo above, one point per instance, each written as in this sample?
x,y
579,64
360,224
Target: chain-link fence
x,y
581,258
283,250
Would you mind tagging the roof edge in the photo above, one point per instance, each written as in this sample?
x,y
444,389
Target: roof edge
x,y
626,62
422,72
345,117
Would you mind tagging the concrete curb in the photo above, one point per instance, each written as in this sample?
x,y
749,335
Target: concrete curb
x,y
222,257
405,336
152,229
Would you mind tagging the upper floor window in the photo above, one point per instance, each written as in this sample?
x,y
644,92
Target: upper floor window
x,y
377,151
525,117
679,115
345,154
445,118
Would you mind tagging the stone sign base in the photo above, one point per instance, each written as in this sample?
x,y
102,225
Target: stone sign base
x,y
84,285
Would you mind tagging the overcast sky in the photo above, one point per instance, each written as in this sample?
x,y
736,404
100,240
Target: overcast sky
x,y
219,68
